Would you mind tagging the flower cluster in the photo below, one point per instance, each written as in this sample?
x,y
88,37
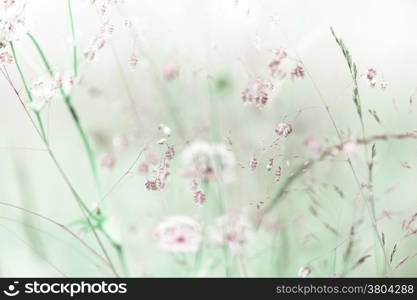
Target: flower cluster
x,y
280,66
372,79
98,41
298,72
6,58
276,66
199,196
257,93
161,171
12,21
283,129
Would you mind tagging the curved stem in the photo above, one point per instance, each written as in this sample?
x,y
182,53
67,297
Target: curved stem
x,y
87,146
27,90
75,118
118,248
83,208
326,153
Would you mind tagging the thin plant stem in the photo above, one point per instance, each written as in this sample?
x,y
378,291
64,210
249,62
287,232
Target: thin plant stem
x,y
75,118
119,251
117,247
74,44
358,103
325,154
27,90
215,138
83,207
60,225
84,137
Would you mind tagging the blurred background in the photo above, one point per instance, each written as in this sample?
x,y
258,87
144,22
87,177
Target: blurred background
x,y
194,59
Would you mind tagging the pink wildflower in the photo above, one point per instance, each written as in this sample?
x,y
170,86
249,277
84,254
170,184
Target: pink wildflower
x,y
6,58
304,272
298,72
257,93
283,129
178,234
275,66
199,197
253,163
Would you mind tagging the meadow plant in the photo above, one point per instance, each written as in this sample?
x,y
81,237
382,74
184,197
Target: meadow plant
x,y
189,166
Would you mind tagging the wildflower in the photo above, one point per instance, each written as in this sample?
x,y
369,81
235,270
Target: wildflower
x,y
133,61
158,184
6,58
94,46
371,74
371,77
304,272
178,234
257,93
170,153
98,41
151,185
66,81
42,91
232,230
194,185
270,165
203,159
8,3
283,129
298,72
383,85
253,163
199,197
170,72
107,28
107,161
12,21
278,174
275,66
